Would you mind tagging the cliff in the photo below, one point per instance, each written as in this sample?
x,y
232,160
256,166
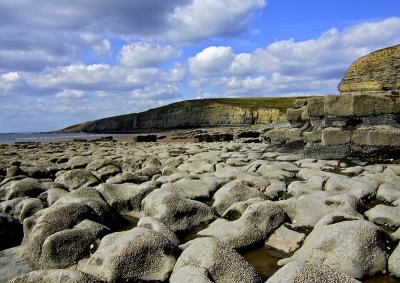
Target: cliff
x,y
193,113
378,71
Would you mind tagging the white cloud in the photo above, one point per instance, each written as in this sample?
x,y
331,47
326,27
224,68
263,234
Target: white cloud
x,y
67,94
313,66
201,19
211,61
61,32
10,77
143,54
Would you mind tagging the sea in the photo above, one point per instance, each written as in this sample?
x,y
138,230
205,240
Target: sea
x,y
10,138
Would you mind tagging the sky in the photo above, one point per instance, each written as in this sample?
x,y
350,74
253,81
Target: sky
x,y
68,61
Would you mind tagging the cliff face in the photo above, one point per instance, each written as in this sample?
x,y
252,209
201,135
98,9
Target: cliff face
x,y
376,72
195,113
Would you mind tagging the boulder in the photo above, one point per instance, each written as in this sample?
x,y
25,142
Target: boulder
x,y
384,215
176,212
105,214
22,188
355,247
77,162
359,186
298,188
126,197
66,247
127,178
156,225
52,195
56,276
49,221
388,192
306,210
234,192
258,221
210,256
77,178
202,188
139,254
302,272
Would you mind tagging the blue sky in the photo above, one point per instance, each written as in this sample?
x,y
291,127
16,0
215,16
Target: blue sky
x,y
68,61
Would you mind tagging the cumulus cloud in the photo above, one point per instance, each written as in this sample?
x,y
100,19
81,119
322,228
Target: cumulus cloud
x,y
61,32
67,94
212,60
313,66
144,54
201,19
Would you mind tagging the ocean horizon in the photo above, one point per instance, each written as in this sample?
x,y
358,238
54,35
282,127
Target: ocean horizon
x,y
10,138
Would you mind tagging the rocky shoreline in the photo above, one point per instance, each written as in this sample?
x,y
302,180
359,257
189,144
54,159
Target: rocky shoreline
x,y
208,212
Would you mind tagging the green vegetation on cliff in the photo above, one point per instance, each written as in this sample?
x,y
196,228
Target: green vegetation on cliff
x,y
193,113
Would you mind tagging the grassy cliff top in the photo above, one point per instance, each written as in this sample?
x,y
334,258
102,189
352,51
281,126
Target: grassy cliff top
x,y
253,103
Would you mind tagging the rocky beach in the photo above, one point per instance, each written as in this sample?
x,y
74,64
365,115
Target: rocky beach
x,y
314,197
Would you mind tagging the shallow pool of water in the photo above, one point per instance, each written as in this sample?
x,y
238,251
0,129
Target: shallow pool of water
x,y
263,259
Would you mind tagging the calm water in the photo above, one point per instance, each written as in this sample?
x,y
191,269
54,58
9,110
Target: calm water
x,y
45,137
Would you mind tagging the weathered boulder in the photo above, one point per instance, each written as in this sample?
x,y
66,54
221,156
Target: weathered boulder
x,y
355,247
298,188
156,225
67,246
139,254
27,187
56,276
27,207
388,192
234,192
258,221
77,178
105,214
127,177
49,221
210,256
176,212
301,272
202,188
377,71
307,210
126,197
384,215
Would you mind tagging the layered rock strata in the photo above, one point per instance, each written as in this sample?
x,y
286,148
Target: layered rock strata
x,y
363,120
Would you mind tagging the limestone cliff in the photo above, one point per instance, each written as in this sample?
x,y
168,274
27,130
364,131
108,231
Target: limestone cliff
x,y
194,113
378,71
